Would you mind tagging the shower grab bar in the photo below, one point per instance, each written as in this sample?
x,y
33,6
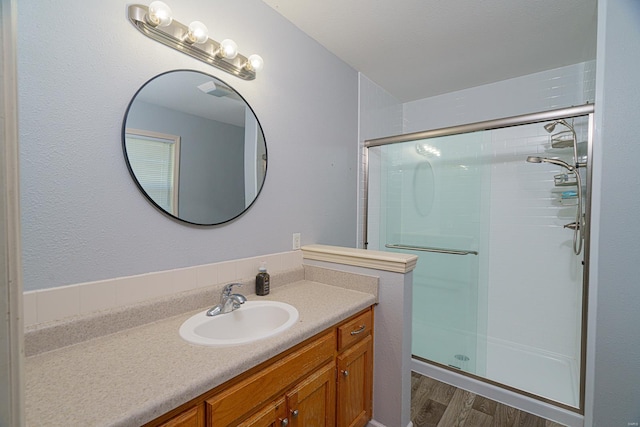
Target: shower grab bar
x,y
426,249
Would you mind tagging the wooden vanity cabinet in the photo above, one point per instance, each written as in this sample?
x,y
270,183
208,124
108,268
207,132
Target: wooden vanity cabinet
x,y
312,402
192,417
324,382
238,403
271,415
355,371
355,384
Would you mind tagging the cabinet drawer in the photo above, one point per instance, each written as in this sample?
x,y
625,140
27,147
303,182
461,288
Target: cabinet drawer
x,y
246,396
270,416
193,417
355,329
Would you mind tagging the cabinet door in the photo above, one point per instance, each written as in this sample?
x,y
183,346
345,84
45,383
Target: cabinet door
x,y
252,393
193,417
355,376
272,415
312,402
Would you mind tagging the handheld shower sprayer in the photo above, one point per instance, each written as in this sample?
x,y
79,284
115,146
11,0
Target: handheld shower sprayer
x,y
578,225
534,159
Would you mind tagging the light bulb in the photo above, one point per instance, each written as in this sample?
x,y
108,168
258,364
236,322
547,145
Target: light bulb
x,y
198,32
255,62
228,49
159,14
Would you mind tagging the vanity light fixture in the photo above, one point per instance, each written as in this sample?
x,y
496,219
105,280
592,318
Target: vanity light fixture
x,y
159,15
157,23
198,33
228,49
254,62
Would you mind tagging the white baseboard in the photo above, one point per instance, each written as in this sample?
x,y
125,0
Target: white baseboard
x,y
374,423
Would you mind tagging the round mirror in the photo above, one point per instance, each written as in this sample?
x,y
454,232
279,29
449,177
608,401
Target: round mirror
x,y
194,147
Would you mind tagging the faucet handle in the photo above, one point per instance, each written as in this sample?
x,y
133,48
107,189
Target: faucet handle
x,y
227,289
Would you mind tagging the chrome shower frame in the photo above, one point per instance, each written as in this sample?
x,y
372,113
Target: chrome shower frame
x,y
526,119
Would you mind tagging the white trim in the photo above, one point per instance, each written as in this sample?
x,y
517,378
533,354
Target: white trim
x,y
377,260
374,423
594,230
499,394
10,249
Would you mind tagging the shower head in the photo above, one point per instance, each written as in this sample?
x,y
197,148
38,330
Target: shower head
x,y
549,127
534,159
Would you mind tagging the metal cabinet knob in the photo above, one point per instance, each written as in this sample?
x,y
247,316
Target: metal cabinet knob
x,y
345,373
294,413
285,422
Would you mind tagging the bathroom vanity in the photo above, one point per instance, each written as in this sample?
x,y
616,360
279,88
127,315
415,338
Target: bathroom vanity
x,y
324,381
148,375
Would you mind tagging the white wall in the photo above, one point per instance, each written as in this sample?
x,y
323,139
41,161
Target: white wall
x,y
613,389
84,219
547,90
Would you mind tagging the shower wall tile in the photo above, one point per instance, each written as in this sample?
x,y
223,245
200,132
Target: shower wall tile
x,y
589,81
557,88
533,276
380,115
380,112
527,243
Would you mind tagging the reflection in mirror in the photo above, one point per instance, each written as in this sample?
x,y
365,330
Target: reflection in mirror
x,y
194,147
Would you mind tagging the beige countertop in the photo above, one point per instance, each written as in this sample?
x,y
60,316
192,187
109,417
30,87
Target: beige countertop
x,y
133,376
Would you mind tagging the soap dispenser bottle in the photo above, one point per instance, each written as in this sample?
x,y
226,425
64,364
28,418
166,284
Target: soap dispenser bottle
x,y
262,280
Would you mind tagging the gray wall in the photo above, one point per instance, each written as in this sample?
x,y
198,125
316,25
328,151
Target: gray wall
x,y
613,397
211,184
83,219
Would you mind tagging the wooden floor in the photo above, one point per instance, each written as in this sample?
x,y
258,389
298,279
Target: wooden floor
x,y
436,404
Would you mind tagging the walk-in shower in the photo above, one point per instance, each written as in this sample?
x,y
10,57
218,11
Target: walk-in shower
x,y
497,213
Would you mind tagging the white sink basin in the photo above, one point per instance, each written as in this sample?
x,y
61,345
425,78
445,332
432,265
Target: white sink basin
x,y
253,321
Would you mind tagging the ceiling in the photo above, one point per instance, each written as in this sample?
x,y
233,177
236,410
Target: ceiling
x,y
420,48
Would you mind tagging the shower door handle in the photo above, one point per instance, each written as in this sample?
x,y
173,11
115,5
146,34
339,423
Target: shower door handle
x,y
572,226
428,249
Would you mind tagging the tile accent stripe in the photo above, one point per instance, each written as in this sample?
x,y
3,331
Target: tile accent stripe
x,y
53,304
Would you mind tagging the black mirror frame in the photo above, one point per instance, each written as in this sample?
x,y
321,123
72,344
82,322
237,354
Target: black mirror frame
x,y
139,185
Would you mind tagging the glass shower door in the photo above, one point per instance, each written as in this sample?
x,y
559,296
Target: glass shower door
x,y
498,288
432,207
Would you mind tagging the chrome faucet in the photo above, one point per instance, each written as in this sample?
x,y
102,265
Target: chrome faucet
x,y
228,301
